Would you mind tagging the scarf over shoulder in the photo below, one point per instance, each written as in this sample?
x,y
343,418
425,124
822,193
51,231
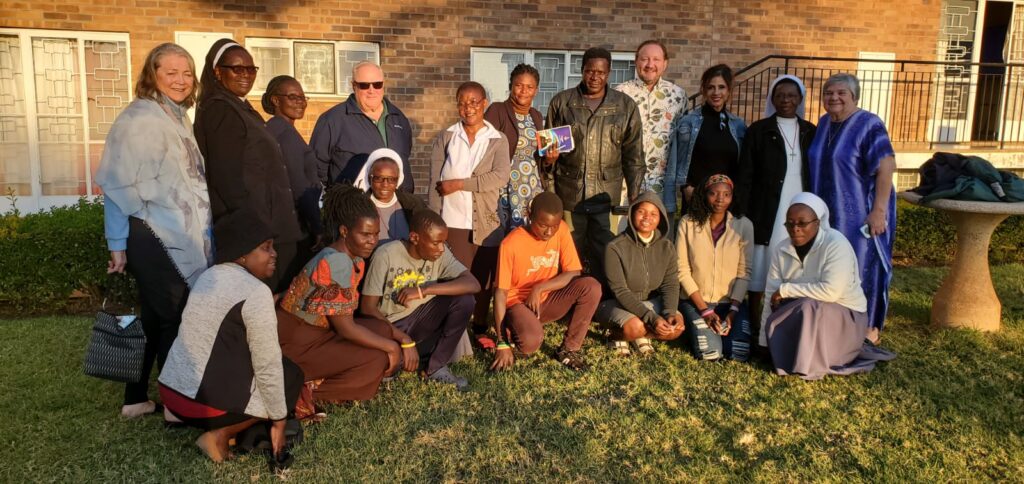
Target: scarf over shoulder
x,y
153,170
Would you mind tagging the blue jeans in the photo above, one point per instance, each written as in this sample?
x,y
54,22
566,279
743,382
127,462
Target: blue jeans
x,y
710,346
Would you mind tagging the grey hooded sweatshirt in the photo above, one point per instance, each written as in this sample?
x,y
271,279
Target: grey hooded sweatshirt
x,y
638,271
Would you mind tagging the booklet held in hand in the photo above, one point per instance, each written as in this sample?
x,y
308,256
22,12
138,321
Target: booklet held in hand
x,y
560,137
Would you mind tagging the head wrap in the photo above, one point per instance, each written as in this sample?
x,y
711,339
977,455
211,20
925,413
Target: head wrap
x,y
220,52
237,233
719,178
362,180
208,83
769,108
816,204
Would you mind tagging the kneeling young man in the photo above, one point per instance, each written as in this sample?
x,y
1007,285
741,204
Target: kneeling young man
x,y
419,286
538,282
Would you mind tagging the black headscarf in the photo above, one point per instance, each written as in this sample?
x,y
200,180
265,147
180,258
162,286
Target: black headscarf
x,y
208,83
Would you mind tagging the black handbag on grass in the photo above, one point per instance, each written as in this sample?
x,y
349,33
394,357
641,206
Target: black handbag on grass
x,y
116,348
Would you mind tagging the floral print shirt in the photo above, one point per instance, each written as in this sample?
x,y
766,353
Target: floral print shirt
x,y
327,286
658,107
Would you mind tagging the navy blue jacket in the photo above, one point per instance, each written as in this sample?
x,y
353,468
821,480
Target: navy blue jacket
x,y
344,137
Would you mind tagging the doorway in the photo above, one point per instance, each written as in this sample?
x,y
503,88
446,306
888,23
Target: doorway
x,y
991,79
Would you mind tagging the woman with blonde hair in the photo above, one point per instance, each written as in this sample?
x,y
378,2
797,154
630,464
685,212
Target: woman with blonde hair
x,y
156,205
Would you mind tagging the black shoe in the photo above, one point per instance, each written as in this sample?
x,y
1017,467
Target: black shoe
x,y
572,359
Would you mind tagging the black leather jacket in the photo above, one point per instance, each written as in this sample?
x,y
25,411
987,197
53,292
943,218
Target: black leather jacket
x,y
609,146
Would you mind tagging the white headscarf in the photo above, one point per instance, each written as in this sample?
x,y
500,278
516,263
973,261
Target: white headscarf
x,y
362,180
816,204
769,108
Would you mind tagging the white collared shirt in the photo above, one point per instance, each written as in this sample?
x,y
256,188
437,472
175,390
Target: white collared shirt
x,y
457,207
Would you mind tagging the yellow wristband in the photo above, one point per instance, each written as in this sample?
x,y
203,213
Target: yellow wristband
x,y
504,348
409,345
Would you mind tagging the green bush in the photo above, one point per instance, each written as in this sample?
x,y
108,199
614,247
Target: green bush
x,y
926,237
48,257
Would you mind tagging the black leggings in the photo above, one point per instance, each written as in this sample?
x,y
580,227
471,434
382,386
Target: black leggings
x,y
162,297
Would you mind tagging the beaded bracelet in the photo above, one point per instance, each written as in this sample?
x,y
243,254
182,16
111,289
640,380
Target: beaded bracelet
x,y
504,346
411,344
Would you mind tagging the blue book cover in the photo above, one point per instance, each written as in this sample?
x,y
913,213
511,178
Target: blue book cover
x,y
560,137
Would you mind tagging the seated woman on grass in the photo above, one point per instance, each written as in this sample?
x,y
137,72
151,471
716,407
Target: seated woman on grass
x,y
539,282
344,358
642,279
819,321
714,249
224,372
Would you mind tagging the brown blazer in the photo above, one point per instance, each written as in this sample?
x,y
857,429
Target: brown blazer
x,y
489,178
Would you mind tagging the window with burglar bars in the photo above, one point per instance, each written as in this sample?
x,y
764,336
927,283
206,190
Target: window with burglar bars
x,y
559,70
324,68
60,92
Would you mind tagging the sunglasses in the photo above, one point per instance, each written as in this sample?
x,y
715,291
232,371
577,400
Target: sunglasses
x,y
798,225
295,98
384,180
722,121
241,70
362,86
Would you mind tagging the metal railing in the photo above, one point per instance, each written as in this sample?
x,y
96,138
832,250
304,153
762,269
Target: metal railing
x,y
925,105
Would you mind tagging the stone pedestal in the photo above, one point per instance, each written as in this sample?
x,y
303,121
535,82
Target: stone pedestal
x,y
966,298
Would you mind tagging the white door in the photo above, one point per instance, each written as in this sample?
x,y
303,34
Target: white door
x,y
875,72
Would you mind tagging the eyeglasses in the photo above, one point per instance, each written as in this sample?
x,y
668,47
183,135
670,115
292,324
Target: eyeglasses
x,y
241,70
295,97
471,104
384,180
362,86
798,225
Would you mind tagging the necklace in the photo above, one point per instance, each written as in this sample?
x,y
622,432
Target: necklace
x,y
835,128
791,144
833,131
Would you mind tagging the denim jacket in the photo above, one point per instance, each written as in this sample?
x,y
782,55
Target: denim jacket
x,y
680,149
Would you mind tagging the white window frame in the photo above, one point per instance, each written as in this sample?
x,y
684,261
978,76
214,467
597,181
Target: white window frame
x,y
529,56
37,200
342,90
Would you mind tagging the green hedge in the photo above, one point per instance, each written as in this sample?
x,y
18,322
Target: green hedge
x,y
48,257
926,237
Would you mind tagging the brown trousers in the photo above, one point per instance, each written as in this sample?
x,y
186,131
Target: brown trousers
x,y
349,371
581,296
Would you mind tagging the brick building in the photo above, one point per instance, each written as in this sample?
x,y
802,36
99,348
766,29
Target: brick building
x,y
54,54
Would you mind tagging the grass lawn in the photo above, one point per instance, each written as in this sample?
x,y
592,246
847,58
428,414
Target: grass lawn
x,y
949,408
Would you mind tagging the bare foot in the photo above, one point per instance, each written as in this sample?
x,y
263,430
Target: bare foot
x,y
169,417
210,445
874,336
138,409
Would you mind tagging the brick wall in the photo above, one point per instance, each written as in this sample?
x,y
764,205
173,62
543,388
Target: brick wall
x,y
425,44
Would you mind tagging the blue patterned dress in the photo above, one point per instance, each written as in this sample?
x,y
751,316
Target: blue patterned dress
x,y
843,162
524,179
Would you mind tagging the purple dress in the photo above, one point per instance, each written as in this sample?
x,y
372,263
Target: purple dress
x,y
843,162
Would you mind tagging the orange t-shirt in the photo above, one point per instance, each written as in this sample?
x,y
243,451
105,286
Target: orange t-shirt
x,y
524,261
